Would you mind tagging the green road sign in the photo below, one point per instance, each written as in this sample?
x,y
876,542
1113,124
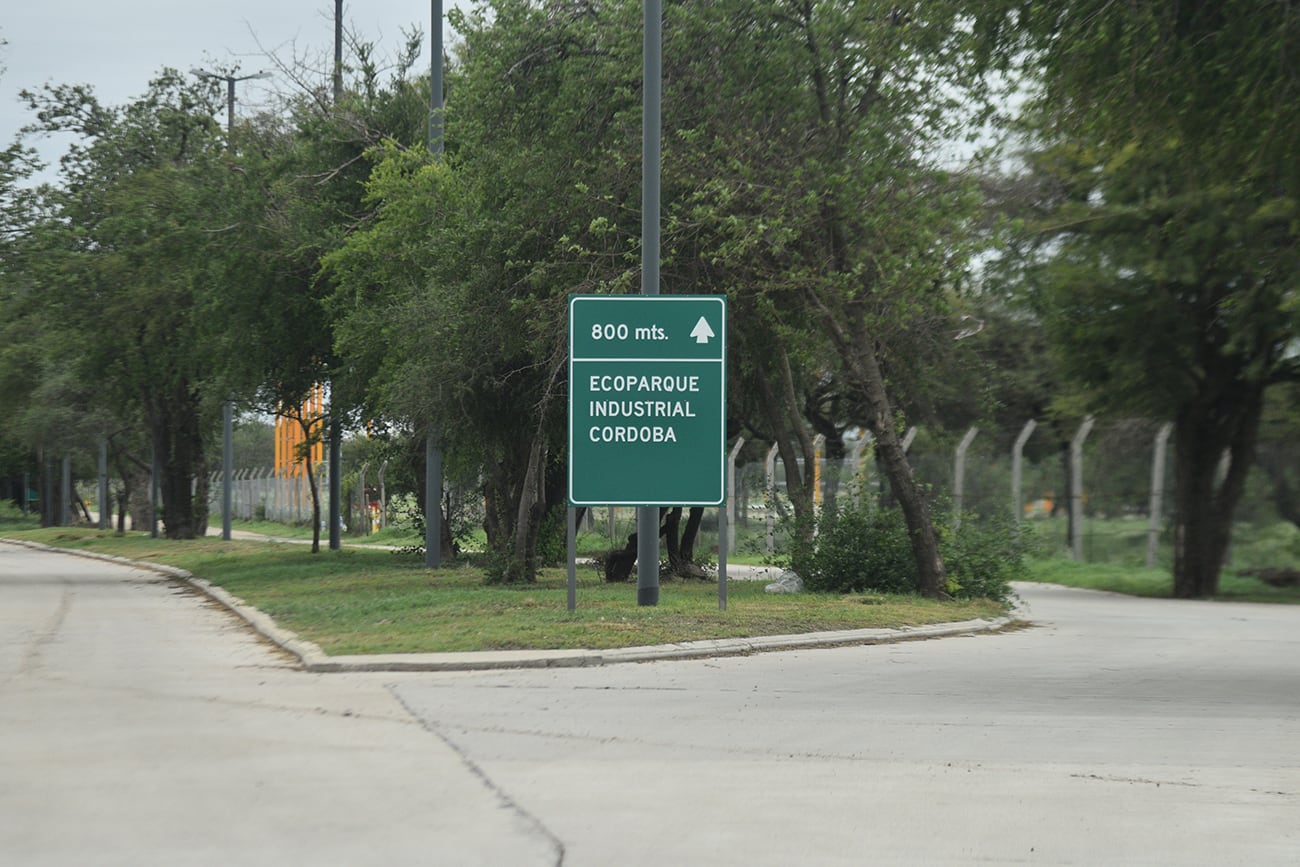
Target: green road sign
x,y
647,400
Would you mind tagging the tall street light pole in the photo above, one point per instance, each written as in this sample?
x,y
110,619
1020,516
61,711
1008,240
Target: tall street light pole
x,y
228,408
647,517
432,453
336,425
231,81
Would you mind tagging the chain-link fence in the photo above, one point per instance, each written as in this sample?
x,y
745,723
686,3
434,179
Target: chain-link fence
x,y
1097,491
258,494
1094,490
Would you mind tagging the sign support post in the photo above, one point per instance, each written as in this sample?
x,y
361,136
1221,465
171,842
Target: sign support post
x,y
647,408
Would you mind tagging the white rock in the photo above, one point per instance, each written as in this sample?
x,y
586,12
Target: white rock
x,y
789,582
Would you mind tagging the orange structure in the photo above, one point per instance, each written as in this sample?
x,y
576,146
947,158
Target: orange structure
x,y
289,437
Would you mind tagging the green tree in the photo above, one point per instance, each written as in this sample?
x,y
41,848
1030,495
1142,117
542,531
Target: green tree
x,y
810,187
19,342
794,180
453,300
117,268
294,188
1167,274
1278,455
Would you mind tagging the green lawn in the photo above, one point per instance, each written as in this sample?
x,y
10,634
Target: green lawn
x,y
1139,581
367,601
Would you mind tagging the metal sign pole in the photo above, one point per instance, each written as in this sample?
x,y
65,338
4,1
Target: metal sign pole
x,y
723,532
573,558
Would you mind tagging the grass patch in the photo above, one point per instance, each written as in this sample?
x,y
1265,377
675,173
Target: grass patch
x,y
358,601
13,518
1138,581
267,528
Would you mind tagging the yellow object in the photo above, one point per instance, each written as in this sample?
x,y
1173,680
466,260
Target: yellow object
x,y
289,437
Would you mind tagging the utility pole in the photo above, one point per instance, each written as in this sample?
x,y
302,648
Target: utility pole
x,y
647,517
338,51
432,453
335,516
228,408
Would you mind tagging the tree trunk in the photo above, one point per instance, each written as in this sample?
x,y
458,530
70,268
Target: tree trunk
x,y
177,485
130,470
691,533
175,429
522,567
138,503
670,522
782,412
202,489
921,535
123,498
315,495
306,424
503,485
680,539
1217,421
858,353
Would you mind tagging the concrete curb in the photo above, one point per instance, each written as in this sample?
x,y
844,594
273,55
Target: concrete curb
x,y
313,659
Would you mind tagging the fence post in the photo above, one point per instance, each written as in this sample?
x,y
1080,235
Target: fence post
x,y
770,467
959,476
864,439
153,491
65,492
260,491
908,438
103,484
227,466
1076,488
1017,466
1157,492
273,492
731,493
1221,473
363,513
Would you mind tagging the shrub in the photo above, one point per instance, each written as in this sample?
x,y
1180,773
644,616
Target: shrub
x,y
983,557
553,537
858,550
11,515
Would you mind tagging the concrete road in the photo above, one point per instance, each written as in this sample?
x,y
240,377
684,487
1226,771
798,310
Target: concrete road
x,y
1117,731
141,725
138,725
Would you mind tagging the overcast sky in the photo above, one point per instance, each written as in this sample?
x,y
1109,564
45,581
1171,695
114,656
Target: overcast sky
x,y
119,45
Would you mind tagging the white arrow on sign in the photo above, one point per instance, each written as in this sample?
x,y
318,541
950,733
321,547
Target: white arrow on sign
x,y
702,332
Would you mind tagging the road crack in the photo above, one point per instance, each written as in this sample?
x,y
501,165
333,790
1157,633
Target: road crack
x,y
504,797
